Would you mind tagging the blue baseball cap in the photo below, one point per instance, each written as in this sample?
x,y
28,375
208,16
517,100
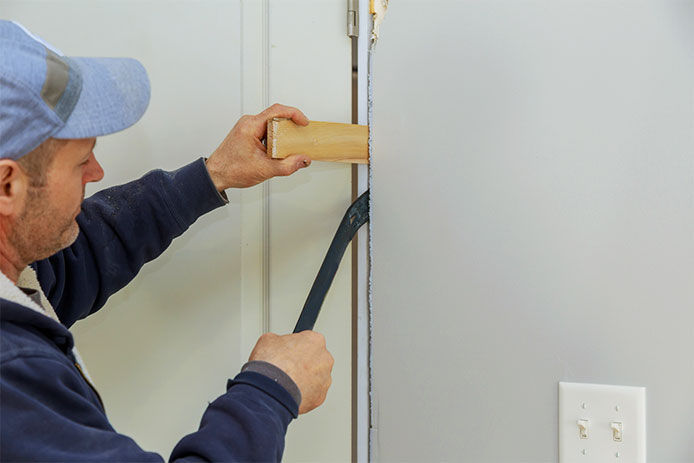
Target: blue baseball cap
x,y
45,94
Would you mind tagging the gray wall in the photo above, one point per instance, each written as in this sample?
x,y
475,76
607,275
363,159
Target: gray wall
x,y
533,222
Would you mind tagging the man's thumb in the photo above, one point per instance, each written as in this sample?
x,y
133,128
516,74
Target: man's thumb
x,y
291,164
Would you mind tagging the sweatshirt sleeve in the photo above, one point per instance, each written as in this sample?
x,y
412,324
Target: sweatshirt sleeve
x,y
47,416
259,418
122,228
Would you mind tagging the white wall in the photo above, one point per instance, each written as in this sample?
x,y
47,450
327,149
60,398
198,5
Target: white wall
x,y
163,346
532,222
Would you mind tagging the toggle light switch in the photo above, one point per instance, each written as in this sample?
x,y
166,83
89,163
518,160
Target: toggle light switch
x,y
582,429
616,427
592,418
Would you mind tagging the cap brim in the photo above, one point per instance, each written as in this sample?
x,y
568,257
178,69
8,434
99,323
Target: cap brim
x,y
115,94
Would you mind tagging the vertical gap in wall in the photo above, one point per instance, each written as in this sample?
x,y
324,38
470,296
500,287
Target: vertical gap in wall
x,y
373,425
355,259
363,267
265,309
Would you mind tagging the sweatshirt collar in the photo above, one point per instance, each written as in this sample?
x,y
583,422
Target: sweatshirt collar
x,y
18,308
11,292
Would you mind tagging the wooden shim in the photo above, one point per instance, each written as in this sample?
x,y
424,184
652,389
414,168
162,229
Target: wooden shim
x,y
321,141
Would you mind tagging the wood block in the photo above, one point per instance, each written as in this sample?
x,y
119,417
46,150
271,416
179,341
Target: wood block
x,y
321,141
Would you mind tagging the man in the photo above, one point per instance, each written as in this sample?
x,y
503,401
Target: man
x,y
61,258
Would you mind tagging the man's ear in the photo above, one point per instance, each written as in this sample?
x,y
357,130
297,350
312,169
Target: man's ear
x,y
13,187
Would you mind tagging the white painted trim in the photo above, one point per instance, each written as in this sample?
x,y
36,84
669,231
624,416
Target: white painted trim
x,y
255,217
255,233
363,265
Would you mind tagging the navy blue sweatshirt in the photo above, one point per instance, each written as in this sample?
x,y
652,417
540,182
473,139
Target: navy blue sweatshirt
x,y
48,410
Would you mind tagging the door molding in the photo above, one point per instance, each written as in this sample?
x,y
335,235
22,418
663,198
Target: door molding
x,y
255,201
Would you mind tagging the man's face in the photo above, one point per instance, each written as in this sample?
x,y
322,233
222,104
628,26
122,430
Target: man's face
x,y
47,223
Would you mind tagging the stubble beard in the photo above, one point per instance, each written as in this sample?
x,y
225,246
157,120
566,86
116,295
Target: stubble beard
x,y
40,232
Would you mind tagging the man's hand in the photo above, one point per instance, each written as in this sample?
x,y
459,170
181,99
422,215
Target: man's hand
x,y
304,357
241,160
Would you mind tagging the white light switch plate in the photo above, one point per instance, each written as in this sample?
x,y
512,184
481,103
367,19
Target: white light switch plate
x,y
600,405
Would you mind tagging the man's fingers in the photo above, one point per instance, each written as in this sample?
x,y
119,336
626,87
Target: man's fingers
x,y
299,118
278,110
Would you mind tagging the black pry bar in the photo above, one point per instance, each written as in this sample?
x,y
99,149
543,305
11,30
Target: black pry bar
x,y
356,216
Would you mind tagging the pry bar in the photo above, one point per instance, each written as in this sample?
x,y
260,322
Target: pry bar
x,y
356,216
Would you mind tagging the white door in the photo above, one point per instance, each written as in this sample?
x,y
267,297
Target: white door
x,y
305,61
164,346
532,222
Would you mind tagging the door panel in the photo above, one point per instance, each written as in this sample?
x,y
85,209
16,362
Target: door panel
x,y
165,345
310,67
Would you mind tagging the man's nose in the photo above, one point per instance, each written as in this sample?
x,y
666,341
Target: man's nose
x,y
93,172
